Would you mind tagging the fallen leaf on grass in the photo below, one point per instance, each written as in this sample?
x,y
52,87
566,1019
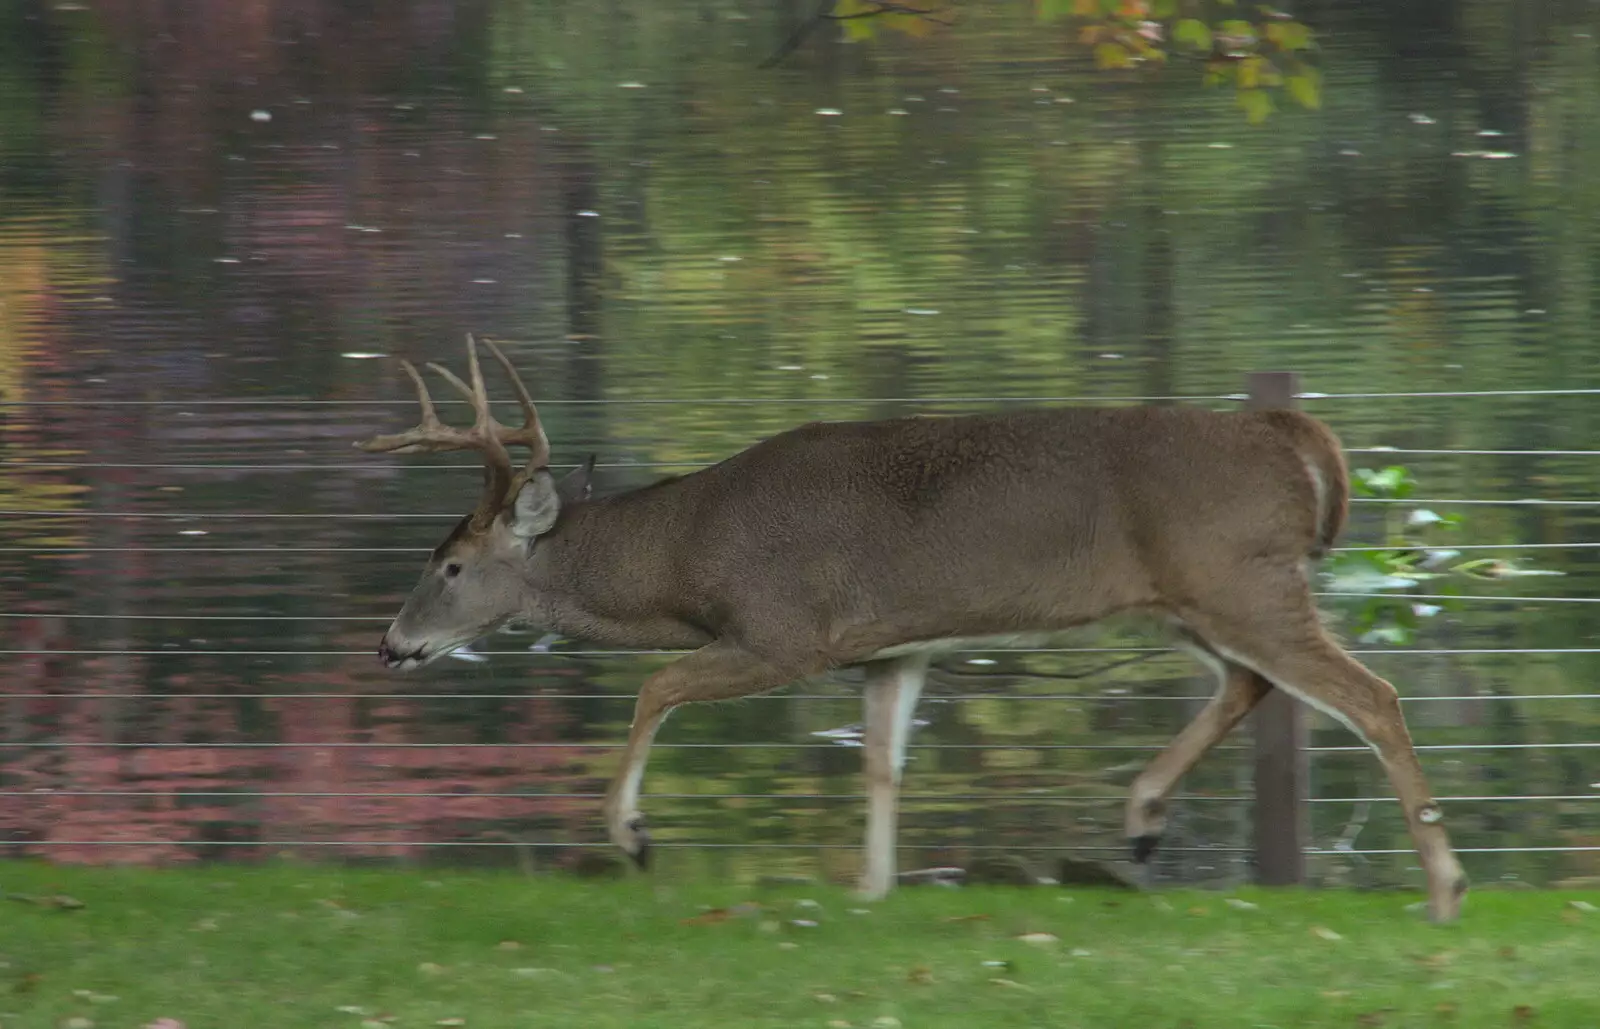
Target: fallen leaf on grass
x,y
1438,960
1037,938
1582,905
1335,994
1445,1009
1241,905
77,1022
164,1023
1371,1018
920,975
1324,932
1011,984
451,1021
712,917
1522,1014
966,918
886,1022
788,945
1197,910
351,1009
59,901
838,1023
28,983
508,945
1509,953
429,968
825,998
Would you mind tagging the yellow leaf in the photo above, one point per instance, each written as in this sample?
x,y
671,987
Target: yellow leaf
x,y
1250,72
1111,55
1306,88
1257,108
1289,35
911,24
857,29
1085,8
1192,31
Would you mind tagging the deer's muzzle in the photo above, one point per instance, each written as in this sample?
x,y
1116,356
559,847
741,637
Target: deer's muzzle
x,y
393,658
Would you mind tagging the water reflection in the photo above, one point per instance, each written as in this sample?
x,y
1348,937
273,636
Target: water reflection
x,y
642,215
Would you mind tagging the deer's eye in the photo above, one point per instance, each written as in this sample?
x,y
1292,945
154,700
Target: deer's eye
x,y
452,570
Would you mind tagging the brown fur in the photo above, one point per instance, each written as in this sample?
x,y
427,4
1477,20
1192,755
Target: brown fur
x,y
851,537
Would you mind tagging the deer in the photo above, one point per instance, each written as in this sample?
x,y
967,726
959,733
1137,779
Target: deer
x,y
881,544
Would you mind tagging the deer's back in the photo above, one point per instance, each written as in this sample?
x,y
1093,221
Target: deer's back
x,y
1005,520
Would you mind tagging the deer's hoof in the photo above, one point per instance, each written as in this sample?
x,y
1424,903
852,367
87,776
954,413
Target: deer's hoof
x,y
1144,846
634,839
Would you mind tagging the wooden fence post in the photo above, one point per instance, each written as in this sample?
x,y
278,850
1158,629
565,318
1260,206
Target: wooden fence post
x,y
1282,812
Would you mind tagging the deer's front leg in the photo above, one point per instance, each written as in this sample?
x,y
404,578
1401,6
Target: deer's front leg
x,y
890,699
717,671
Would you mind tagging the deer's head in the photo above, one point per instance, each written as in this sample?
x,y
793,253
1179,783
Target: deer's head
x,y
477,579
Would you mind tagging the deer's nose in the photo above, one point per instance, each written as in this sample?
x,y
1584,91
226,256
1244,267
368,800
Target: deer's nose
x,y
385,654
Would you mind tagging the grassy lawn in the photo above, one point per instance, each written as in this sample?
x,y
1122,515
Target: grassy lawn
x,y
282,947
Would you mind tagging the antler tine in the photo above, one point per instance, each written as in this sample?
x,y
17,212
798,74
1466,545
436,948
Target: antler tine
x,y
531,434
429,436
455,380
486,436
496,461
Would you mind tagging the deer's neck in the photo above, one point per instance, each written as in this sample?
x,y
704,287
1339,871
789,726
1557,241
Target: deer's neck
x,y
605,574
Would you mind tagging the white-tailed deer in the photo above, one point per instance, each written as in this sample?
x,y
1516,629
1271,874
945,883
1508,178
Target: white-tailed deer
x,y
881,543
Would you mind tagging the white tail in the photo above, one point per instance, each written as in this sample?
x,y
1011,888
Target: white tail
x,y
882,543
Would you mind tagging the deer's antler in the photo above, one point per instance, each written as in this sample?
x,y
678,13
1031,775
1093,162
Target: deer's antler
x,y
487,436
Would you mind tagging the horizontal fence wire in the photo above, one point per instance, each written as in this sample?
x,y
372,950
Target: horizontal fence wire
x,y
356,516
137,616
934,697
408,466
991,797
584,845
797,401
1022,796
739,745
1117,848
175,651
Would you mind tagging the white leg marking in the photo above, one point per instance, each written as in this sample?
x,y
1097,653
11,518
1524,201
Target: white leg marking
x,y
633,775
890,702
909,675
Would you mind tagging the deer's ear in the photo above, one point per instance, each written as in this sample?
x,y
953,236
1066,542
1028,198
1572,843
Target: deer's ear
x,y
578,484
538,503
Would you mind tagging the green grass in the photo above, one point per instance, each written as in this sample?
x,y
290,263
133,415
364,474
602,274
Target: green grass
x,y
282,947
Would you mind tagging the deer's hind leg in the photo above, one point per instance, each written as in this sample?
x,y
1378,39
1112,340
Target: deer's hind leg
x,y
1239,690
1271,627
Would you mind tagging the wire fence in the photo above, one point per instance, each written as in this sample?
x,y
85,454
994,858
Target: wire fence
x,y
253,740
